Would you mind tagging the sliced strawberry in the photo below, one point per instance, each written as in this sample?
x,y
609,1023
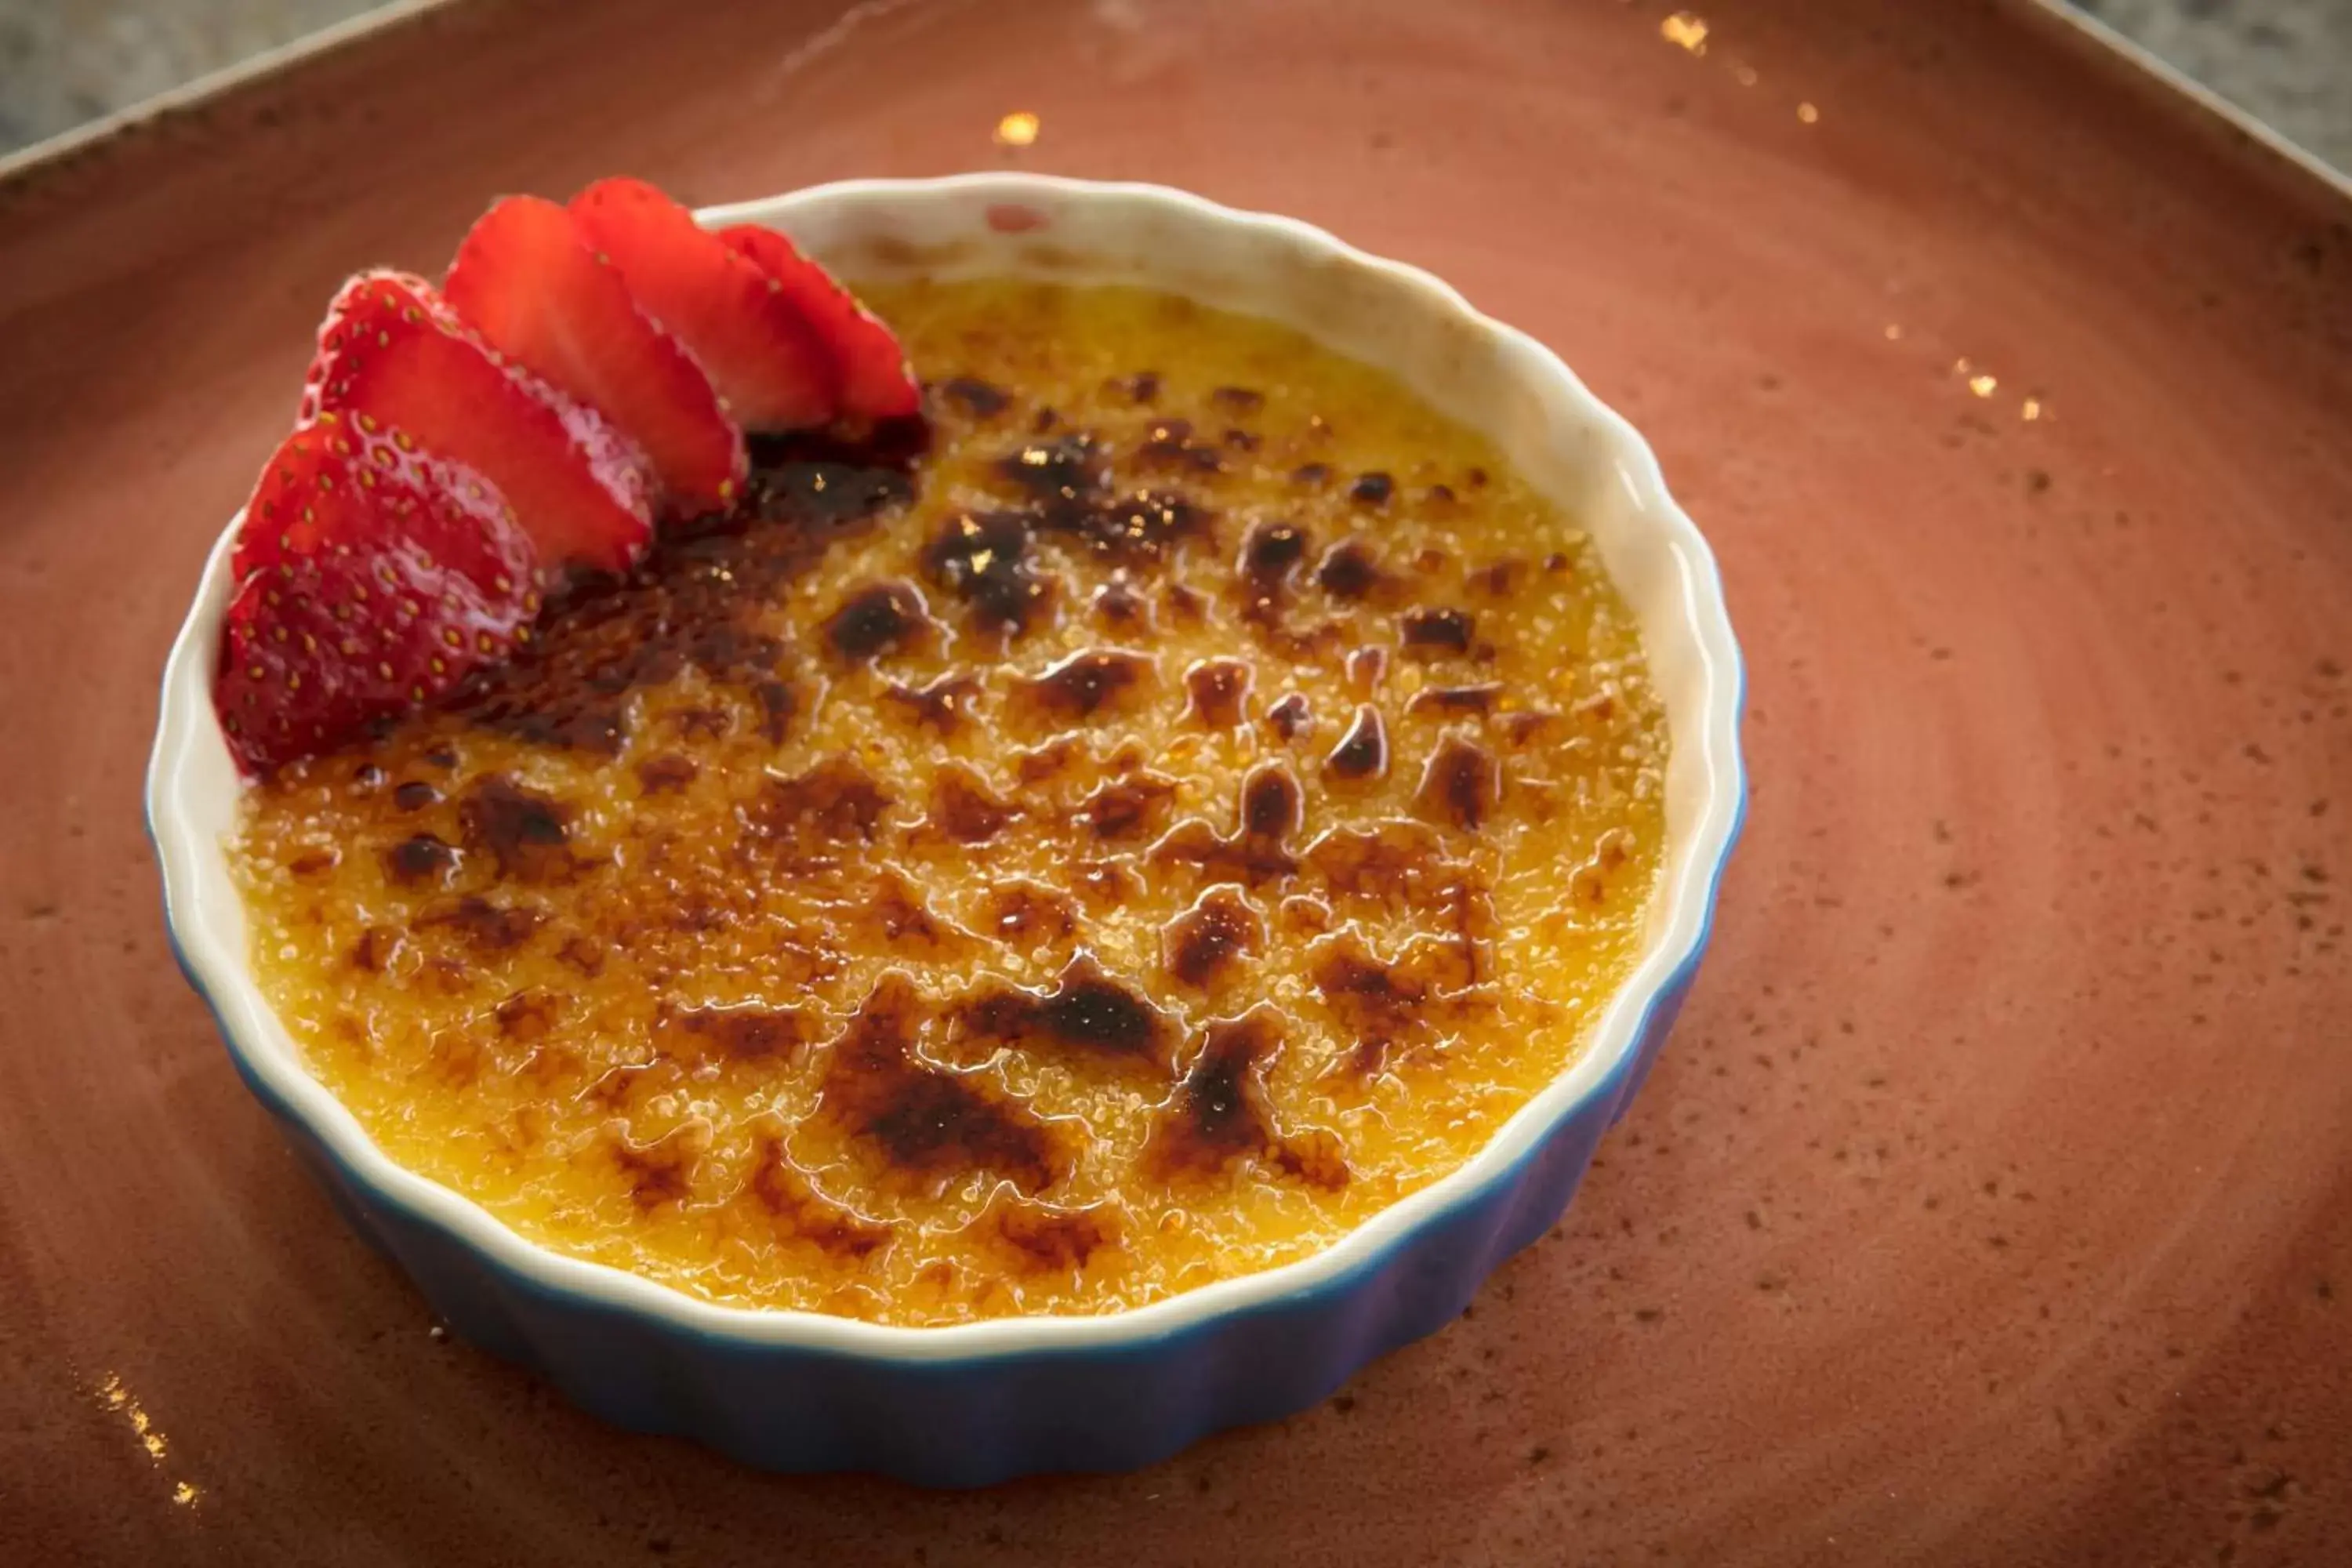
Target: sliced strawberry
x,y
331,484
371,580
526,280
393,357
758,352
876,383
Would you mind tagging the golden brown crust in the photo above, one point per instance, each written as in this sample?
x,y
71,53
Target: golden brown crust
x,y
1037,872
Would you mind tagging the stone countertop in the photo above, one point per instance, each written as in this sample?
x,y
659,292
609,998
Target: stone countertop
x,y
66,61
2286,62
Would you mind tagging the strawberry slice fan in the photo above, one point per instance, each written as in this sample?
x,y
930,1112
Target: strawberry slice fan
x,y
527,280
584,372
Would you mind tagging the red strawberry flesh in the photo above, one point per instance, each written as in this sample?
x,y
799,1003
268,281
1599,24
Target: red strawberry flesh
x,y
381,579
525,279
394,359
868,359
764,358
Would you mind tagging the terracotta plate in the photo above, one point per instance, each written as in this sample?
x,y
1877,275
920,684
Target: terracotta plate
x,y
1994,1202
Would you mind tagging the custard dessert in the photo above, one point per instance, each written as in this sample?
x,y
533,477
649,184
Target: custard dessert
x,y
1117,833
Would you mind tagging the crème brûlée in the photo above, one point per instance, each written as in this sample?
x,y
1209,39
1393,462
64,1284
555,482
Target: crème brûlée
x,y
1186,806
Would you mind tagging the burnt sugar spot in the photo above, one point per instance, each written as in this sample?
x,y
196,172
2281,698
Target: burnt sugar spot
x,y
929,1122
1449,699
1389,1003
983,558
668,773
1271,551
1140,526
813,480
701,723
686,604
1238,400
1043,765
1170,445
378,949
1042,1237
1086,1010
722,650
882,618
1437,631
1118,607
415,795
1127,808
1349,572
1216,691
787,1193
421,857
1063,478
1255,852
972,397
1201,946
834,802
661,1171
1272,807
1311,474
1461,786
528,1014
1292,717
1371,490
1028,916
1271,554
1221,1114
1082,686
741,1032
525,834
964,809
567,719
939,705
889,912
1497,579
1069,486
777,705
1363,752
1529,725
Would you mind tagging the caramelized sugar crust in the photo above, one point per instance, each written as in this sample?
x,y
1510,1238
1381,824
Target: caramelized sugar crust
x,y
1187,808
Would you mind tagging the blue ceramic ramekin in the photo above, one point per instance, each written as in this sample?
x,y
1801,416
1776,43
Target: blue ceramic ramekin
x,y
983,1401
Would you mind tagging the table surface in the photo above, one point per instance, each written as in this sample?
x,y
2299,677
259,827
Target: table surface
x,y
2286,62
1992,1202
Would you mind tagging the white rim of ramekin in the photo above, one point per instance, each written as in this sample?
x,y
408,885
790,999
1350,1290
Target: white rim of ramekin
x,y
266,1053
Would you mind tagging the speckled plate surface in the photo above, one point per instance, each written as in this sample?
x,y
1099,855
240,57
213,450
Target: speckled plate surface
x,y
1993,1201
